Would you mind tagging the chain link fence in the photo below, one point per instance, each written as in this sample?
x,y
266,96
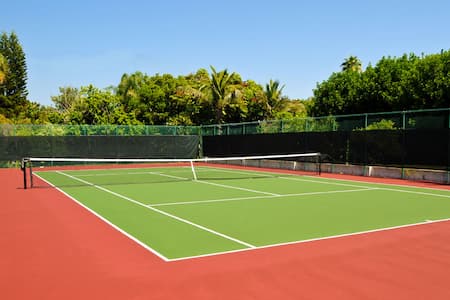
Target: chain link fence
x,y
414,119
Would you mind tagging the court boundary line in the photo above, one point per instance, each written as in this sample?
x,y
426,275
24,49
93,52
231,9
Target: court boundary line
x,y
293,175
161,212
296,177
379,188
388,189
382,183
366,232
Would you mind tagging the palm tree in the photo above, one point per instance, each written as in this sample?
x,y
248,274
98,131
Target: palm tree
x,y
3,68
221,85
275,102
352,63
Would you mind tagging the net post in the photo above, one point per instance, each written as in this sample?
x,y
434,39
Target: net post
x,y
23,167
193,170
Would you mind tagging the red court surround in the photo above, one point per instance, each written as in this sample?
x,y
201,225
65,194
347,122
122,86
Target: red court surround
x,y
51,248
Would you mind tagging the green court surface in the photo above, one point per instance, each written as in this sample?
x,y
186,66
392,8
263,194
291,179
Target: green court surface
x,y
225,210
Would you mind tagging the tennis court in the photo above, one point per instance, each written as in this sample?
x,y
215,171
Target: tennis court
x,y
227,209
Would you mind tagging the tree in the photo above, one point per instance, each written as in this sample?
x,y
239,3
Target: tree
x,y
408,82
189,104
129,88
153,99
35,113
227,96
4,69
257,107
337,95
67,98
352,63
221,93
292,109
13,90
89,105
273,96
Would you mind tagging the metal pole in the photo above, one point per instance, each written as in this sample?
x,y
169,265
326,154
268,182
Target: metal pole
x,y
24,171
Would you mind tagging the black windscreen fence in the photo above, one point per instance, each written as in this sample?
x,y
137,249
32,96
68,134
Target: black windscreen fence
x,y
401,148
427,148
17,147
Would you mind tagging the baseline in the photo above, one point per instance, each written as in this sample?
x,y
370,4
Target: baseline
x,y
424,223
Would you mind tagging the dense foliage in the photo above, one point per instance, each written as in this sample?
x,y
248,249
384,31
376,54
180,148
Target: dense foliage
x,y
198,98
393,84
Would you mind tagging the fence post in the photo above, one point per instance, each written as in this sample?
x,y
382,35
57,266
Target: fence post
x,y
404,119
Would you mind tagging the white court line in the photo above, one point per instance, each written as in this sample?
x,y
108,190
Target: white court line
x,y
260,197
211,200
383,183
415,192
380,186
111,174
325,182
238,188
371,184
280,176
217,184
262,174
160,211
167,175
299,178
426,222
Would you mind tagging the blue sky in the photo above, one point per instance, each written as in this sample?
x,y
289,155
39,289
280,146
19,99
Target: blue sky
x,y
299,43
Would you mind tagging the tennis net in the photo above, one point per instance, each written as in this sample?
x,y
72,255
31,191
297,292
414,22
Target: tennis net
x,y
108,171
